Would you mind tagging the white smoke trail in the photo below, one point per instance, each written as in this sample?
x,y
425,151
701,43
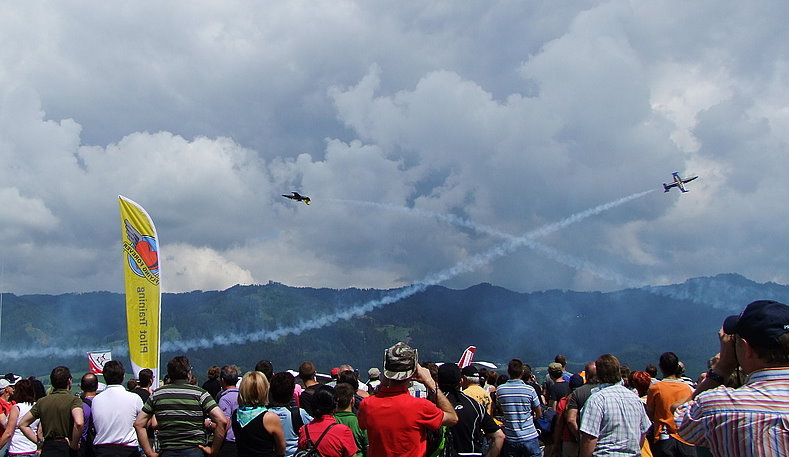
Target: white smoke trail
x,y
547,251
470,264
56,351
511,244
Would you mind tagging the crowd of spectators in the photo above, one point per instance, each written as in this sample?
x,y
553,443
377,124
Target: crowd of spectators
x,y
408,408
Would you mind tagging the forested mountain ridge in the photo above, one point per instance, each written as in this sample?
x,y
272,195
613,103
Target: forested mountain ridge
x,y
287,325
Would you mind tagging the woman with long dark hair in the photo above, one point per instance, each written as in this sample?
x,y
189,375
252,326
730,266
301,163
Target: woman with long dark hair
x,y
25,397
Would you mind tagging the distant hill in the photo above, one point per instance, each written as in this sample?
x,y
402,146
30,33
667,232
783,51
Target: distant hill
x,y
287,325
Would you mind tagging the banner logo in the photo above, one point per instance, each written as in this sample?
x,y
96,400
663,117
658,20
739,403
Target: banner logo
x,y
143,253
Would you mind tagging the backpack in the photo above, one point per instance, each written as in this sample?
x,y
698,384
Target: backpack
x,y
295,419
440,443
312,448
545,425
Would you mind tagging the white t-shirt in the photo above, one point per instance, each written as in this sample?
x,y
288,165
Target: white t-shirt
x,y
113,413
19,442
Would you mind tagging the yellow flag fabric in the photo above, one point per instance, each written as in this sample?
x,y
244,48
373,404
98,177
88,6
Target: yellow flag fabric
x,y
143,296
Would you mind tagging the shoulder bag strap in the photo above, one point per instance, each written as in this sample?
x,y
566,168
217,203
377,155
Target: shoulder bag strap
x,y
322,434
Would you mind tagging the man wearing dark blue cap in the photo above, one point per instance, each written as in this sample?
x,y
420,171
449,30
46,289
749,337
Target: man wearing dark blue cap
x,y
751,420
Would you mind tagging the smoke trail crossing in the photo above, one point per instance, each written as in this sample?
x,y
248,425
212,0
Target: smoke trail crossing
x,y
721,295
510,244
547,251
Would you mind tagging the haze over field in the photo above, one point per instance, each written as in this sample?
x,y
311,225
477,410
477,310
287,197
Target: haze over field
x,y
282,323
426,135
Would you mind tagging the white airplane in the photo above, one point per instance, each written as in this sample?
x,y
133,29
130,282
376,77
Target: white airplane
x,y
679,183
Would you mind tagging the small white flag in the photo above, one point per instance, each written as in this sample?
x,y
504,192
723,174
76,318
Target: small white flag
x,y
97,359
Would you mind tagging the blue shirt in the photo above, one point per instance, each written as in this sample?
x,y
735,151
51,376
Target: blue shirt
x,y
291,436
517,400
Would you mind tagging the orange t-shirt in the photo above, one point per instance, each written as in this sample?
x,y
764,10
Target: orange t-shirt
x,y
660,397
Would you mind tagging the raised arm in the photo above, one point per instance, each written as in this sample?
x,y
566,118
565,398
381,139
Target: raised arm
x,y
422,375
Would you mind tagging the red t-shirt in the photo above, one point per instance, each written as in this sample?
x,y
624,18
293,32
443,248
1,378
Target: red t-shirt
x,y
338,442
396,422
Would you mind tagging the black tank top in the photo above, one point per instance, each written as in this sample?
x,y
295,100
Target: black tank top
x,y
253,440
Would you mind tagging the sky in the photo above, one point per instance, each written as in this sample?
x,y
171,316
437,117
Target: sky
x,y
426,134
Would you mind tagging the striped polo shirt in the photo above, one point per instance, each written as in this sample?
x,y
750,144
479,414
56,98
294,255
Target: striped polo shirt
x,y
517,399
180,410
750,421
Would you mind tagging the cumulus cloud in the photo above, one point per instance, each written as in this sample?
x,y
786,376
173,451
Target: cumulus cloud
x,y
511,115
200,268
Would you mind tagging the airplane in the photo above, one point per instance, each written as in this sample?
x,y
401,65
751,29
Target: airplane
x,y
321,377
296,196
679,182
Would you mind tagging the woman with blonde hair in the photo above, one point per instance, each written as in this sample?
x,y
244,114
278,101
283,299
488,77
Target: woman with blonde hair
x,y
258,431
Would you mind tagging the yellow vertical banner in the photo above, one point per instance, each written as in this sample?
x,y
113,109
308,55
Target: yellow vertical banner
x,y
141,276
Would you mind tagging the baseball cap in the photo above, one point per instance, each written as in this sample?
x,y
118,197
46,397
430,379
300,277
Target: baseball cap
x,y
761,323
400,361
555,368
470,371
374,372
335,371
9,380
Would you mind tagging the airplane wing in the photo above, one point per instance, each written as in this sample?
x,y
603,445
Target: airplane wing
x,y
133,235
317,375
679,182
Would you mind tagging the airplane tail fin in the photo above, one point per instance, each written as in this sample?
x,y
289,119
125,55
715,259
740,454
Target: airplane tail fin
x,y
467,357
665,187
